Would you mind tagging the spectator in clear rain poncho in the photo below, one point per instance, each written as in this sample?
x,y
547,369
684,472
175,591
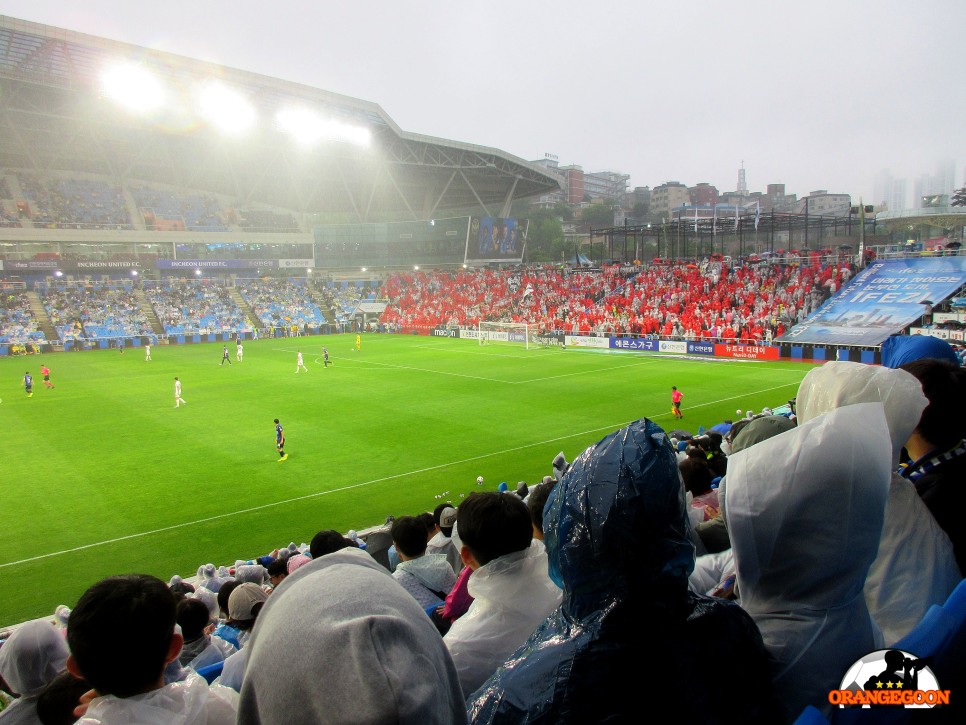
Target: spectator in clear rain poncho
x,y
29,660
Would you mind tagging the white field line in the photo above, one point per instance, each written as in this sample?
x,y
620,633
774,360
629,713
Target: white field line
x,y
605,428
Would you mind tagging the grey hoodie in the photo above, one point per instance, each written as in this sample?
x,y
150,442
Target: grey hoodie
x,y
340,642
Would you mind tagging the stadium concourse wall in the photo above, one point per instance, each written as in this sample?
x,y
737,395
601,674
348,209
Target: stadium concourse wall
x,y
617,343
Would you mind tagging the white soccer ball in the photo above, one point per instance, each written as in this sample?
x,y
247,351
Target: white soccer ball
x,y
738,412
479,480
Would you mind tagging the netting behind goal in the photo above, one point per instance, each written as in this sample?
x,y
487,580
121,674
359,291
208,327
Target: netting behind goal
x,y
508,333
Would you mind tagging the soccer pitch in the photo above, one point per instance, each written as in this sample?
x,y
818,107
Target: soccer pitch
x,y
103,475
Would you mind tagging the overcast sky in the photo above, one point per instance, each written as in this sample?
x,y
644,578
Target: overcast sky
x,y
816,95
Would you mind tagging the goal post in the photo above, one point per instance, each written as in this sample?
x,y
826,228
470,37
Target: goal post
x,y
506,332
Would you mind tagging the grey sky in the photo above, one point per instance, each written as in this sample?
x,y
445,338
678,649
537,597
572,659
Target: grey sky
x,y
819,94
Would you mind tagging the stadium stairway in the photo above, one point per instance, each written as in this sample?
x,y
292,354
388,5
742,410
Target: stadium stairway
x,y
324,307
245,308
142,299
40,314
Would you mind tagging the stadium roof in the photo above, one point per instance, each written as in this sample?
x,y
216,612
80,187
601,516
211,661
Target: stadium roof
x,y
55,116
945,216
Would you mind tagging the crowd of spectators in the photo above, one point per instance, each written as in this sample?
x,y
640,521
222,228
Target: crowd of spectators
x,y
7,219
198,212
555,602
65,203
195,307
94,310
17,322
57,202
279,303
688,301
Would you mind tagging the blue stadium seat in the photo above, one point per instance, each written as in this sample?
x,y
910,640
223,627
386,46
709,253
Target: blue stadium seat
x,y
811,716
929,636
210,672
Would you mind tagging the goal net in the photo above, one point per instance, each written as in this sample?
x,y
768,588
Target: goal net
x,y
515,333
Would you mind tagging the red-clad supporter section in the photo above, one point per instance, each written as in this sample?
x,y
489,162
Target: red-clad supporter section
x,y
709,302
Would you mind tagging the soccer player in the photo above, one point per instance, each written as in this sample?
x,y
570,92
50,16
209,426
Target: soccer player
x,y
676,396
178,400
300,364
280,441
358,341
325,356
28,384
45,371
147,352
224,355
239,350
120,345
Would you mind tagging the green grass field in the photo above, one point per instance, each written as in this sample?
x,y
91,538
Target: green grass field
x,y
102,475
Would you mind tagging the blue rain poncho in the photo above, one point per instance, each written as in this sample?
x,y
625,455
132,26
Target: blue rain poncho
x,y
628,637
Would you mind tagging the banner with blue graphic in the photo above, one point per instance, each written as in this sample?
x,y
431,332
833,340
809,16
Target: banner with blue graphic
x,y
700,348
880,301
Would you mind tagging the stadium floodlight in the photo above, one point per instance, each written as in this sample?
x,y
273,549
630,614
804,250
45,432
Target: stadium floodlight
x,y
133,87
226,109
308,128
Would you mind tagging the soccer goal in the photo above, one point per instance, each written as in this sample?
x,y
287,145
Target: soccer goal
x,y
506,332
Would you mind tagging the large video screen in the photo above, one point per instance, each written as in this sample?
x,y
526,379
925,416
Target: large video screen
x,y
492,239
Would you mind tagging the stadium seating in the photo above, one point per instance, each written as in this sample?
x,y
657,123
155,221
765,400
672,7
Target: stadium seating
x,y
211,672
165,210
65,203
94,310
282,303
707,301
189,306
17,323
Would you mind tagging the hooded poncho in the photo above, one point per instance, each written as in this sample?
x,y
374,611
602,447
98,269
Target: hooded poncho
x,y
619,544
354,647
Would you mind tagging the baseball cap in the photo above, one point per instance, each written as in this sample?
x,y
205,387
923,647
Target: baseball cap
x,y
447,518
243,600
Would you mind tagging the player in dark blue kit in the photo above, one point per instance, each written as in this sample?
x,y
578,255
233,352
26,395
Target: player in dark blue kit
x,y
28,384
280,441
224,355
325,356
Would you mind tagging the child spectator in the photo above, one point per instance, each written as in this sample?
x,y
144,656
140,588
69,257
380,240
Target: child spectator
x,y
428,577
511,591
444,518
29,660
537,502
200,648
122,636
